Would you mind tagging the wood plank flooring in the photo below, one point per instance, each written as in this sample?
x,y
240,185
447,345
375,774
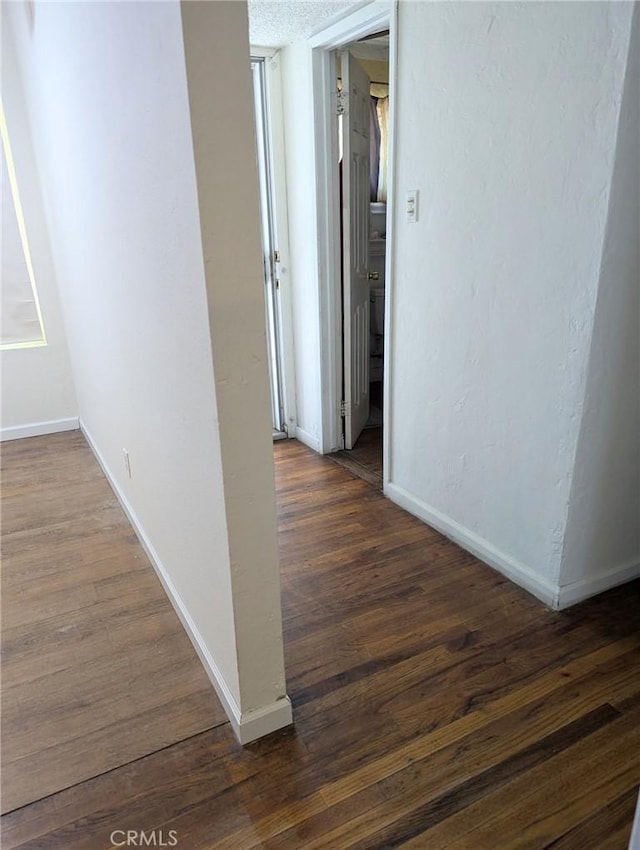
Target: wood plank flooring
x,y
365,459
96,668
436,705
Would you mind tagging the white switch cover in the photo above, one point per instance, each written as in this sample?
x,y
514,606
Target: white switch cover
x,y
412,206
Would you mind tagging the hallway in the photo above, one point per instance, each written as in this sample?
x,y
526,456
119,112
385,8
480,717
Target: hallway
x,y
435,703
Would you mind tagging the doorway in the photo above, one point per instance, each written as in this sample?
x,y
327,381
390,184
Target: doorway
x,y
362,71
350,371
273,216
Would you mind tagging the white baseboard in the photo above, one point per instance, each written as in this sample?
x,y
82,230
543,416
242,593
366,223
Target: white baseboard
x,y
634,841
247,726
578,591
519,573
263,721
39,429
307,439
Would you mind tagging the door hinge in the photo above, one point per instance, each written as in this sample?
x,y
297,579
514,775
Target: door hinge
x,y
344,408
341,102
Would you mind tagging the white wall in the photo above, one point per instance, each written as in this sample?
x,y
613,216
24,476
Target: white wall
x,y
107,93
303,237
37,386
507,118
602,543
230,226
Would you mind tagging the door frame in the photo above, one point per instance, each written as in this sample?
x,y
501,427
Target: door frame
x,y
375,16
274,120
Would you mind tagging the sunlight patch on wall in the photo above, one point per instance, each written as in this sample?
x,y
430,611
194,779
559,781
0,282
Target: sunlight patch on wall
x,y
21,323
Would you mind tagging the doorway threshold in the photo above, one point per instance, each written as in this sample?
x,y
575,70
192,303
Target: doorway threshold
x,y
364,460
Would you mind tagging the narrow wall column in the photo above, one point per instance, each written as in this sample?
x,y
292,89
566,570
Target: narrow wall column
x,y
220,97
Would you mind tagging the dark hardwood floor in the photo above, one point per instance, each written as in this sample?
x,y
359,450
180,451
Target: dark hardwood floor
x,y
436,705
365,458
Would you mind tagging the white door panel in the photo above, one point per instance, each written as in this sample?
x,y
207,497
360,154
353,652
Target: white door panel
x,y
270,253
355,217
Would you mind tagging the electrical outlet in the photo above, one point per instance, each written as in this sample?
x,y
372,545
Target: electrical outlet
x,y
127,461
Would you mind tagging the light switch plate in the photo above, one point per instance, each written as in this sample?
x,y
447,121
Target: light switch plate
x,y
411,206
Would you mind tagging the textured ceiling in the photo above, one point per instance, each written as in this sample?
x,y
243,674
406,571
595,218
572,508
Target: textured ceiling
x,y
276,23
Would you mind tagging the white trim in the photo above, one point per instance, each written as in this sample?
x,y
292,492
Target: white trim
x,y
578,591
365,20
274,117
328,241
519,573
22,228
247,726
263,721
555,596
275,128
18,346
389,285
306,438
262,52
38,429
634,841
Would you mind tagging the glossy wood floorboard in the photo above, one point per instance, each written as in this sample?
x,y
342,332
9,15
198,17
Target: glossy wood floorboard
x,y
436,706
365,458
96,668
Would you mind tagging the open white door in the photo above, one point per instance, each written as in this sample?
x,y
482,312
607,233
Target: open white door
x,y
270,252
355,241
